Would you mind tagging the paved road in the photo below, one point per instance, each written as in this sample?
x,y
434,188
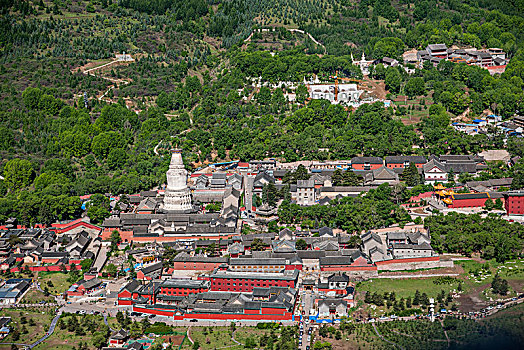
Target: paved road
x,y
101,258
50,331
107,324
308,302
88,307
248,193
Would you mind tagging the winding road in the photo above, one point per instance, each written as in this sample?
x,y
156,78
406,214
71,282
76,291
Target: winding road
x,y
50,331
107,324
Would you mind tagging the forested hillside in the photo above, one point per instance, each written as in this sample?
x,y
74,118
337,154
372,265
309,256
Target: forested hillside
x,y
192,83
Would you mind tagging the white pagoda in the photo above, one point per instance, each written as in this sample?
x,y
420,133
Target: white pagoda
x,y
177,196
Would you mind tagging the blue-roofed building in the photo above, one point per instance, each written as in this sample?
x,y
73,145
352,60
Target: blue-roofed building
x,y
494,118
480,122
12,293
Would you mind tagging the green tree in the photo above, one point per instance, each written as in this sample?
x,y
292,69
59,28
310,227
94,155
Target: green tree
x,y
415,87
349,178
115,239
117,158
393,80
18,173
86,264
301,93
31,97
98,208
97,214
301,244
258,245
499,285
99,340
270,194
337,178
411,175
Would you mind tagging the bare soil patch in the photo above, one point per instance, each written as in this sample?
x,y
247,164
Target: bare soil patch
x,y
471,301
174,339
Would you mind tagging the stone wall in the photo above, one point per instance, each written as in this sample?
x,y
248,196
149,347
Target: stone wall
x,y
416,265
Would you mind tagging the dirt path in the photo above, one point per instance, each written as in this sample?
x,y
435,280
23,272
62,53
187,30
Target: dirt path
x,y
384,339
445,332
248,39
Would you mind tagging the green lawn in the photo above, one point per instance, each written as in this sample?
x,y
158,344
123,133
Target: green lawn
x,y
56,282
404,288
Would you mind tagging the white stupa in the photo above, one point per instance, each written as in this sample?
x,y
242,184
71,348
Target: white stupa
x,y
177,196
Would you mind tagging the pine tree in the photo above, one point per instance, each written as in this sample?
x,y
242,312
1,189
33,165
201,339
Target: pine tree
x,y
411,175
416,299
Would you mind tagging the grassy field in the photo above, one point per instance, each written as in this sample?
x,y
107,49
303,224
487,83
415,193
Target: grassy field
x,y
211,337
404,288
56,282
35,320
65,339
475,278
34,296
244,333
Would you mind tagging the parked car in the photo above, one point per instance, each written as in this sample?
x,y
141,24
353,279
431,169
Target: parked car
x,y
193,320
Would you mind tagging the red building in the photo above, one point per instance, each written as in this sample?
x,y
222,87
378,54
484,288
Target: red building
x,y
150,272
514,202
125,294
230,281
467,200
166,291
183,287
366,163
76,226
198,263
84,287
399,162
118,338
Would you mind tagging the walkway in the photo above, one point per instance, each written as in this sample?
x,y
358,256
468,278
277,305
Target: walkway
x,y
236,341
50,331
101,258
107,324
384,339
188,336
